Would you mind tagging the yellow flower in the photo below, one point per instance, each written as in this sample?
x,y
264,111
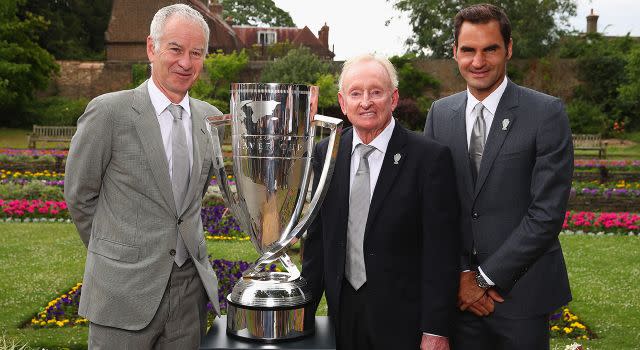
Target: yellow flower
x,y
60,324
555,328
42,323
568,330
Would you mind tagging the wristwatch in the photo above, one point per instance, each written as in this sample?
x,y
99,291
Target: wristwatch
x,y
482,283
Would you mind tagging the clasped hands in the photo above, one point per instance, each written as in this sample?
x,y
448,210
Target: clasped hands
x,y
475,299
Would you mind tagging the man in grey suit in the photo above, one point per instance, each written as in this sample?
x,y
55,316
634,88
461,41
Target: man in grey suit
x,y
513,157
135,176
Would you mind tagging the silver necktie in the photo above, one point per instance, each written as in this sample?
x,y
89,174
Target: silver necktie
x,y
478,135
359,201
180,173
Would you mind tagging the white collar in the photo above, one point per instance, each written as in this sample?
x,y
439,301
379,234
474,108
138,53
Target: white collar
x,y
490,102
380,142
160,102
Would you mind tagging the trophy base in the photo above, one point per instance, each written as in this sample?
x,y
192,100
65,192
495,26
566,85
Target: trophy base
x,y
269,325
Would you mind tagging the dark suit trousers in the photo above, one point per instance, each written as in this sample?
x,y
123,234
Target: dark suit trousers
x,y
353,331
498,333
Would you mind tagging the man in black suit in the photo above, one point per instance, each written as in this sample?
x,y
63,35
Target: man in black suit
x,y
385,245
513,157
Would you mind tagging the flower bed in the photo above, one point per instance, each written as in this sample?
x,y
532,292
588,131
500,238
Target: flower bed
x,y
590,164
49,177
616,223
219,224
63,310
565,324
33,209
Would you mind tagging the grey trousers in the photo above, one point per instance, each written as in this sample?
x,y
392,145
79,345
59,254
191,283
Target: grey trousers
x,y
179,323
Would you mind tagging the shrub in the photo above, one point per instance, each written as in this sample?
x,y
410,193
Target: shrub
x,y
56,111
409,114
32,190
586,118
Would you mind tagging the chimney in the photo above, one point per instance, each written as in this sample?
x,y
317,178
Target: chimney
x,y
592,23
323,35
215,8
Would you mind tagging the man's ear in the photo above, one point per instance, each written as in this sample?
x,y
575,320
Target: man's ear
x,y
510,49
455,51
395,97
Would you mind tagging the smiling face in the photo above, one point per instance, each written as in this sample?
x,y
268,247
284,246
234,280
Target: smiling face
x,y
179,58
367,97
482,57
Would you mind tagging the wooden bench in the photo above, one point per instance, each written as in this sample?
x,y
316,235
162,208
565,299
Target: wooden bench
x,y
50,134
590,142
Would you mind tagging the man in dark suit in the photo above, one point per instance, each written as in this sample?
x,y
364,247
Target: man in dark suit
x,y
513,157
385,245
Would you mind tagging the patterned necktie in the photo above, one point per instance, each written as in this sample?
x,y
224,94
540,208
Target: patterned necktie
x,y
179,172
359,201
476,143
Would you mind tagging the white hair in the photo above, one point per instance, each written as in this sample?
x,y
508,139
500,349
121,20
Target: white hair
x,y
383,61
156,30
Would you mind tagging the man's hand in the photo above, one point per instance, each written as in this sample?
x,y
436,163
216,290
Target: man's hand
x,y
469,291
485,305
434,342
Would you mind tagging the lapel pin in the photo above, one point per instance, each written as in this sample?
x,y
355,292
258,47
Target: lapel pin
x,y
505,123
396,158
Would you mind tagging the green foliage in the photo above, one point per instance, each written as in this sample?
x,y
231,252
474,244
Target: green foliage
x,y
25,67
608,71
299,66
32,190
270,52
220,71
139,73
328,91
56,111
629,92
76,29
256,13
536,25
412,82
586,117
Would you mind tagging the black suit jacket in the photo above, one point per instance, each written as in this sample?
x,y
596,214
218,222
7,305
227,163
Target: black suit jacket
x,y
411,242
513,214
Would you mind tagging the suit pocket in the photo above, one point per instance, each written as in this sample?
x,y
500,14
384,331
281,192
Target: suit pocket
x,y
114,250
512,155
202,249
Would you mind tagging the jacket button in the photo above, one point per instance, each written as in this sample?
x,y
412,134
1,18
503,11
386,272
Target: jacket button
x,y
475,215
179,221
172,252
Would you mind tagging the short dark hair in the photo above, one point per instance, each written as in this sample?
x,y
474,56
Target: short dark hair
x,y
483,13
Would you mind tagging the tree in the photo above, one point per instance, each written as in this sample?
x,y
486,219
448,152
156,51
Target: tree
x,y
76,29
536,24
299,66
221,70
24,66
256,13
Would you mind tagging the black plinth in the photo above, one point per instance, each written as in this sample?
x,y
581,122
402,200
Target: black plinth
x,y
217,338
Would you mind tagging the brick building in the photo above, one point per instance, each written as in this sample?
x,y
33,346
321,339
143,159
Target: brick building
x,y
128,28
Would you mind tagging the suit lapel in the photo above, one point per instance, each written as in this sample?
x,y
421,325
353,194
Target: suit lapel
x,y
388,172
459,144
148,129
200,142
498,133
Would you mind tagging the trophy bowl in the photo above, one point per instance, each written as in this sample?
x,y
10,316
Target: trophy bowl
x,y
272,134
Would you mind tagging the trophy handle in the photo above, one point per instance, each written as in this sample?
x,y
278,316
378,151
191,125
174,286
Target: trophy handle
x,y
277,249
223,183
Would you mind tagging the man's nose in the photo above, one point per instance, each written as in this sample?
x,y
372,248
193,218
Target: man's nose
x,y
185,61
478,60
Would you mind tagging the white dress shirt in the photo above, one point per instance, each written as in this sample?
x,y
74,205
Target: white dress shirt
x,y
375,158
160,103
490,104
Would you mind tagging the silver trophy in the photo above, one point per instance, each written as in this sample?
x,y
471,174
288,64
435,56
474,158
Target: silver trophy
x,y
273,128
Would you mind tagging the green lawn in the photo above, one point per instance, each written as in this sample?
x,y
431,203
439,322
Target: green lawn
x,y
13,138
40,261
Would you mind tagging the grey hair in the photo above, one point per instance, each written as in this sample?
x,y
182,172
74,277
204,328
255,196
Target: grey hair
x,y
156,30
383,61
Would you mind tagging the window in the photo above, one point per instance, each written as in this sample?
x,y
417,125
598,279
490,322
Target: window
x,y
267,38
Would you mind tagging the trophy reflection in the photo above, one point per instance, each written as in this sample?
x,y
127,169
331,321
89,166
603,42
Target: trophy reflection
x,y
273,128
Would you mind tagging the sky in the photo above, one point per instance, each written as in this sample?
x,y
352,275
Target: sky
x,y
358,26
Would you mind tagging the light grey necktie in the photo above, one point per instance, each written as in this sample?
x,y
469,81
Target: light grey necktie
x,y
478,135
180,172
359,201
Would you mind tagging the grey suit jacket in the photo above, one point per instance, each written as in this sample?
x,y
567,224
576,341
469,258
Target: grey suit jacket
x,y
118,191
515,210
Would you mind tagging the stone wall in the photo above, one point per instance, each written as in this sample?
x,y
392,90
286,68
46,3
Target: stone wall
x,y
88,79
